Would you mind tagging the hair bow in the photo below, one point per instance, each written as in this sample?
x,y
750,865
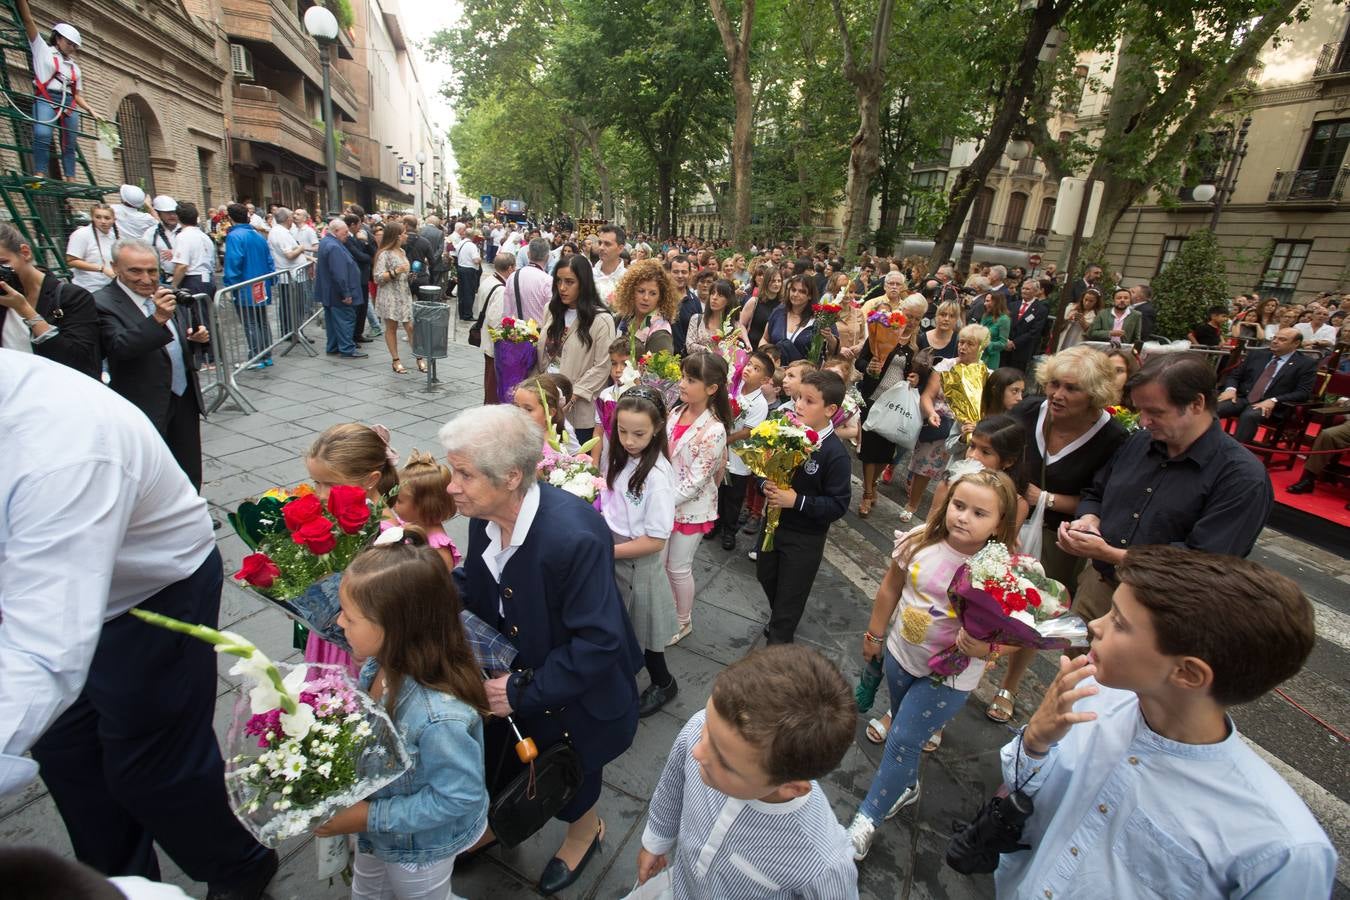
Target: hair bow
x,y
389,452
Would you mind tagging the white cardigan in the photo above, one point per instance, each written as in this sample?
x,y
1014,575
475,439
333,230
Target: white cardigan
x,y
699,460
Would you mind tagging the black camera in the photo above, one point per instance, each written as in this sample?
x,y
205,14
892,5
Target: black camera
x,y
188,301
996,829
11,278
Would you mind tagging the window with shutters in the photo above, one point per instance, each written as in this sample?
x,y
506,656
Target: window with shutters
x,y
1283,269
135,145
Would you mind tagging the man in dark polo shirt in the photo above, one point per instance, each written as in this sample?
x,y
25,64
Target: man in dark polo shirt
x,y
1181,480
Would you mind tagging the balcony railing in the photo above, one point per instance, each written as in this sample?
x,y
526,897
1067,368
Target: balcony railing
x,y
1332,60
1321,186
997,235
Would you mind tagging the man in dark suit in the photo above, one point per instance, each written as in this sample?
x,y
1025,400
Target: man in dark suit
x,y
146,341
690,305
1092,277
338,288
1029,319
363,248
1254,391
1141,301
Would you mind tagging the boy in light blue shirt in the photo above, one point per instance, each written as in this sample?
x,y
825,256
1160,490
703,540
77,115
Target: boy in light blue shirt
x,y
1142,786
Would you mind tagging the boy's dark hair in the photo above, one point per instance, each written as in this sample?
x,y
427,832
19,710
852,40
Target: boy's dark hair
x,y
187,214
830,385
1184,376
626,345
705,275
1218,310
36,873
238,213
792,705
1266,642
766,361
774,354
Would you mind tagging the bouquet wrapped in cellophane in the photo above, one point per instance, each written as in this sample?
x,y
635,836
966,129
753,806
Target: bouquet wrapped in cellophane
x,y
963,386
826,314
515,350
884,328
661,372
304,743
1003,598
774,450
573,472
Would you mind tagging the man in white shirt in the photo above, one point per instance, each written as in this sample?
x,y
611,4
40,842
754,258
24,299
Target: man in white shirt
x,y
469,261
163,234
535,285
258,222
610,268
132,219
117,713
302,226
286,250
1317,332
194,254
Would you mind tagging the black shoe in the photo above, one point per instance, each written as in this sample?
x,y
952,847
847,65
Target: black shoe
x,y
357,355
556,874
743,517
711,534
751,525
332,352
1303,486
365,340
729,539
251,887
215,524
654,697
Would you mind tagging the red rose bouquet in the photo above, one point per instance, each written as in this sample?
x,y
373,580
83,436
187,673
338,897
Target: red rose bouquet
x,y
826,314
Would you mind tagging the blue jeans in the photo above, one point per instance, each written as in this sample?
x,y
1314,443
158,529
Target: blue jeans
x,y
257,330
339,323
919,707
44,111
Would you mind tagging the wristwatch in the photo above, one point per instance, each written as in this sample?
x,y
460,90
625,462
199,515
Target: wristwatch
x,y
34,320
1049,500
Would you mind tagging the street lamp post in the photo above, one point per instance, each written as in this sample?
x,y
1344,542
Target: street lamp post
x,y
1223,191
421,182
322,25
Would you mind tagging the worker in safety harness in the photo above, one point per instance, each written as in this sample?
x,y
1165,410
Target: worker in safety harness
x,y
56,92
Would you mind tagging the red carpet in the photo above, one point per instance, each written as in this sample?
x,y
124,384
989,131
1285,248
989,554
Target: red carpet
x,y
1327,502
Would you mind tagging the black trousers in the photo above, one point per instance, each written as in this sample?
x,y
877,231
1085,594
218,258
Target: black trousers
x,y
786,573
730,496
467,292
1249,418
134,761
183,434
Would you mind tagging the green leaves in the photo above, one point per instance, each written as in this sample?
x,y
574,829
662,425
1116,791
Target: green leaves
x,y
1192,283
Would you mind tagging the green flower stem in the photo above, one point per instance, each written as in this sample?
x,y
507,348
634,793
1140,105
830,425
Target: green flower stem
x,y
224,644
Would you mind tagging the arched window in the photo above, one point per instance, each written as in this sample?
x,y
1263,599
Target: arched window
x,y
131,123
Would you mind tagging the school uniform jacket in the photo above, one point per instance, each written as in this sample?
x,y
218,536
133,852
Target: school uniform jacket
x,y
558,604
824,487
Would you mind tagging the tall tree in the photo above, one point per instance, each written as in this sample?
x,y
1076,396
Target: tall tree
x,y
736,42
867,79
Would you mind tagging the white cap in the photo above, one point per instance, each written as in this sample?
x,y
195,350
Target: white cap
x,y
67,31
165,203
132,195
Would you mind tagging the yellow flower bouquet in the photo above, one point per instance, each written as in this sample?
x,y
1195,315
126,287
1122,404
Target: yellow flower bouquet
x,y
773,451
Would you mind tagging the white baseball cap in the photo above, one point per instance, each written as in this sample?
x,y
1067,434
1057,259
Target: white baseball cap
x,y
67,31
132,195
165,203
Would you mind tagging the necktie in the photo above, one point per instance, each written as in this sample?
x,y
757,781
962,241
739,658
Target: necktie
x,y
1022,313
1263,381
178,379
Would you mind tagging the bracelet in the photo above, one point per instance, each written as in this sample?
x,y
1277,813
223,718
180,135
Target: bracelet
x,y
1049,501
46,336
873,638
33,321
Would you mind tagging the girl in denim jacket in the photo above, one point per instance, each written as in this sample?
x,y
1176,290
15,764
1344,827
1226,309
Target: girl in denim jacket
x,y
400,609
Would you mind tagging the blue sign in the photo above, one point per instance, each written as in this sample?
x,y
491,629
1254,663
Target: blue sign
x,y
407,173
485,201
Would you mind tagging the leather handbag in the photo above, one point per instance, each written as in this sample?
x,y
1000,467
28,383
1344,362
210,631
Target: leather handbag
x,y
476,329
536,795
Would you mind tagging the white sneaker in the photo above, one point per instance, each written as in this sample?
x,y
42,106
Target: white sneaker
x,y
861,832
685,630
906,515
909,797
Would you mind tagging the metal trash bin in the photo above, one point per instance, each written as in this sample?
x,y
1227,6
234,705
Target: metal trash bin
x,y
431,330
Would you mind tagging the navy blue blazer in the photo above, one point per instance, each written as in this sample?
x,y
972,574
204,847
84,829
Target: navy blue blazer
x,y
577,654
337,276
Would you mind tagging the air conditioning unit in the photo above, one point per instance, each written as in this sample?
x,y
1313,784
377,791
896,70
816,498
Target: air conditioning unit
x,y
241,61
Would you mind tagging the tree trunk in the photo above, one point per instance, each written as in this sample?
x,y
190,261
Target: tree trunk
x,y
970,179
664,181
737,47
592,136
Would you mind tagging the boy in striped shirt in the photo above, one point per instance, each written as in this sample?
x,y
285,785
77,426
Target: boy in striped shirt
x,y
738,813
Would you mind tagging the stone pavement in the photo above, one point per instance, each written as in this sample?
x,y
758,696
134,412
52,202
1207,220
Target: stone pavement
x,y
299,397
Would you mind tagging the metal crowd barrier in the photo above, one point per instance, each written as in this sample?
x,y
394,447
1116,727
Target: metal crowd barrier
x,y
253,322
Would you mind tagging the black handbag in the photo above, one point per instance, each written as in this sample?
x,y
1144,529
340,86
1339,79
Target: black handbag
x,y
536,795
929,433
476,329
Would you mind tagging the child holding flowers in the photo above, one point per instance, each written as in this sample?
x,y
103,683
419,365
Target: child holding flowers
x,y
638,503
545,400
980,507
424,500
347,454
697,433
420,665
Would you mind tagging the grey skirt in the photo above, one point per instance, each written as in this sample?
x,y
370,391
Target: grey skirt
x,y
646,594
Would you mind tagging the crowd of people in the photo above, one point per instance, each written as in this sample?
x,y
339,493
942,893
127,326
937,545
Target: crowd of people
x,y
1116,473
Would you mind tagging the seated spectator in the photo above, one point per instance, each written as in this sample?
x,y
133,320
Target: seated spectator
x,y
1330,439
1210,332
1136,767
1267,378
1317,331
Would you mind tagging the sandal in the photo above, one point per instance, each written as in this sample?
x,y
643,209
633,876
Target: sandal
x,y
865,505
421,364
933,742
398,367
1001,707
877,729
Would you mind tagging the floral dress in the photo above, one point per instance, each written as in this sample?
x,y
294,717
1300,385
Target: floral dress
x,y
393,298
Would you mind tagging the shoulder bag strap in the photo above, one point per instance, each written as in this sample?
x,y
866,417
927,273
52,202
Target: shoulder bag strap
x,y
486,303
515,284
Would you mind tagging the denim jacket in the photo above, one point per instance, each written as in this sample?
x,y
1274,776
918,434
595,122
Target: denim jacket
x,y
439,806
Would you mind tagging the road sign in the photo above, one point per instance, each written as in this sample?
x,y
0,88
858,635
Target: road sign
x,y
407,173
1034,259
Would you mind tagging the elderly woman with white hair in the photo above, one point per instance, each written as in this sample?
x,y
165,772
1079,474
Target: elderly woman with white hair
x,y
540,567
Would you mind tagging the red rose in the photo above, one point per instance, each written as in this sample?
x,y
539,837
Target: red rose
x,y
1033,597
508,321
301,511
348,505
258,570
316,536
812,435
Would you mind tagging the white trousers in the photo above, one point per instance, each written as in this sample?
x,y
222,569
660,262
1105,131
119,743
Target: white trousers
x,y
680,550
375,879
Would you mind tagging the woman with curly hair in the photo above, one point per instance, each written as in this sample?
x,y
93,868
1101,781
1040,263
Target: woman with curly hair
x,y
646,301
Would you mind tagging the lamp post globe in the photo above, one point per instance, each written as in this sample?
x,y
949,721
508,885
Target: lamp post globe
x,y
1203,193
322,25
